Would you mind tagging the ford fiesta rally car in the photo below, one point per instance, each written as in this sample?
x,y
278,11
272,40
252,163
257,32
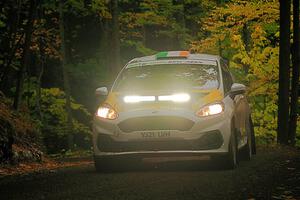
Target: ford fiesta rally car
x,y
173,104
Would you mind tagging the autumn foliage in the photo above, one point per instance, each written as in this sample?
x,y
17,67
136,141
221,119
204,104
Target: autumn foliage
x,y
247,33
244,32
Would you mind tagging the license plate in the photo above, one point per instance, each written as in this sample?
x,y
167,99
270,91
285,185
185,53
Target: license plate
x,y
155,134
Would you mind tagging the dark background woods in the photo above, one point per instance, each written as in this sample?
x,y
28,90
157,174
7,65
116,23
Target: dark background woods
x,y
54,54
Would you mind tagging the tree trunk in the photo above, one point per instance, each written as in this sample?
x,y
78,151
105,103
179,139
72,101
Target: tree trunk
x,y
284,72
295,78
104,45
69,125
246,37
182,37
39,80
38,89
25,57
220,48
10,43
41,65
115,42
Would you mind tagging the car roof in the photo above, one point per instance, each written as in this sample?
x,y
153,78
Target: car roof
x,y
190,56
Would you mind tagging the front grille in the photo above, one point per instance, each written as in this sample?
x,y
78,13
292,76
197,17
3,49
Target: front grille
x,y
156,123
210,140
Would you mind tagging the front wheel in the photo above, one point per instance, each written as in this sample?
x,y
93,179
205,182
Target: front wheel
x,y
246,152
250,147
116,163
231,159
103,164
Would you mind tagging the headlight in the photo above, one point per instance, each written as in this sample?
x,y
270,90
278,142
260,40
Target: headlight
x,y
106,112
175,97
211,109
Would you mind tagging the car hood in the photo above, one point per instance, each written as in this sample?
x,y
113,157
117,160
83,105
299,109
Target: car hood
x,y
198,99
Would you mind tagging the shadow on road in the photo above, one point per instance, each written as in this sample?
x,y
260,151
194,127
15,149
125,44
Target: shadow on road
x,y
171,166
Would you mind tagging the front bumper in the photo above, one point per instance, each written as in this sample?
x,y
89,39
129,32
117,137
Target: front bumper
x,y
209,140
207,135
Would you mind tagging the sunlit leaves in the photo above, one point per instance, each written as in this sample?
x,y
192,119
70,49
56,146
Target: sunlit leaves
x,y
251,27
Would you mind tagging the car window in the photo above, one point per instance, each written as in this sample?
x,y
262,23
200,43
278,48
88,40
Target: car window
x,y
227,78
169,77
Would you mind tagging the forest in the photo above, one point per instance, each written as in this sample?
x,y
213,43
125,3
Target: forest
x,y
54,54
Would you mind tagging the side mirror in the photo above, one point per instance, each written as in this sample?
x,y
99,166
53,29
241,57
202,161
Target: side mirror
x,y
238,88
102,91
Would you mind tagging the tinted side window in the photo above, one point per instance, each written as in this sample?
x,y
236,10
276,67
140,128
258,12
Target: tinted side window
x,y
227,79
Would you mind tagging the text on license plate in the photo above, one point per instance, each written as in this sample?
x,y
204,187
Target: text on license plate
x,y
155,134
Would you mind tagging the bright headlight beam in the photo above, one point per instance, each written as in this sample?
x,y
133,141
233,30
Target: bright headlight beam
x,y
215,109
103,112
106,112
136,99
212,109
175,98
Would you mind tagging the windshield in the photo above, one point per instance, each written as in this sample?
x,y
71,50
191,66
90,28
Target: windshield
x,y
168,77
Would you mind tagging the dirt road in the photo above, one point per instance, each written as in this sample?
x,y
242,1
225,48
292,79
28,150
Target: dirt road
x,y
274,173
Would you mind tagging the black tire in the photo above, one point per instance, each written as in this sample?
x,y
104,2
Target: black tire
x,y
246,151
116,163
102,165
231,159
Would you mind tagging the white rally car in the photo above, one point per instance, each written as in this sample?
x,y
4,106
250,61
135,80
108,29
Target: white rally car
x,y
173,103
